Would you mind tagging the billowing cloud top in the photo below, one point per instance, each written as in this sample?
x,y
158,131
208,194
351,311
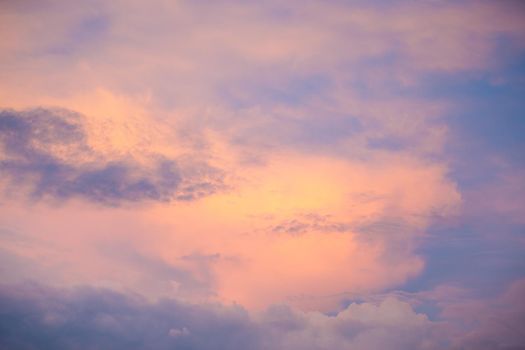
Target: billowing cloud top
x,y
266,175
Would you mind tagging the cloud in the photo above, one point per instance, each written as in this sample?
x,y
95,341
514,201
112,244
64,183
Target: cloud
x,y
489,323
34,316
388,324
84,318
280,222
310,223
37,316
175,332
46,151
325,108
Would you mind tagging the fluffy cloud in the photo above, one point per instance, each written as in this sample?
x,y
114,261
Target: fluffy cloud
x,y
34,316
315,147
351,225
325,121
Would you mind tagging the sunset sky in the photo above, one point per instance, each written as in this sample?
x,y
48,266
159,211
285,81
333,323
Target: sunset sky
x,y
279,175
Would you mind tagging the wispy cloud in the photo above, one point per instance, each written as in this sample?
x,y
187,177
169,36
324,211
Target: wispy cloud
x,y
46,151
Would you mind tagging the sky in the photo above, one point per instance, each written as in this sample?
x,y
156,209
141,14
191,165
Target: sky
x,y
284,175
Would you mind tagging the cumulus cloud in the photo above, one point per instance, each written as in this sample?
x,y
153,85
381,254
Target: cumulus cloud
x,y
331,108
229,238
390,324
46,151
34,316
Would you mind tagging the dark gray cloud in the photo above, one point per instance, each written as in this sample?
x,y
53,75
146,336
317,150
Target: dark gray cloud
x,y
36,317
44,151
33,316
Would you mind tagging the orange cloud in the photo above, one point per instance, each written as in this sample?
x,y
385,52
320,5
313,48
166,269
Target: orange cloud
x,y
176,82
